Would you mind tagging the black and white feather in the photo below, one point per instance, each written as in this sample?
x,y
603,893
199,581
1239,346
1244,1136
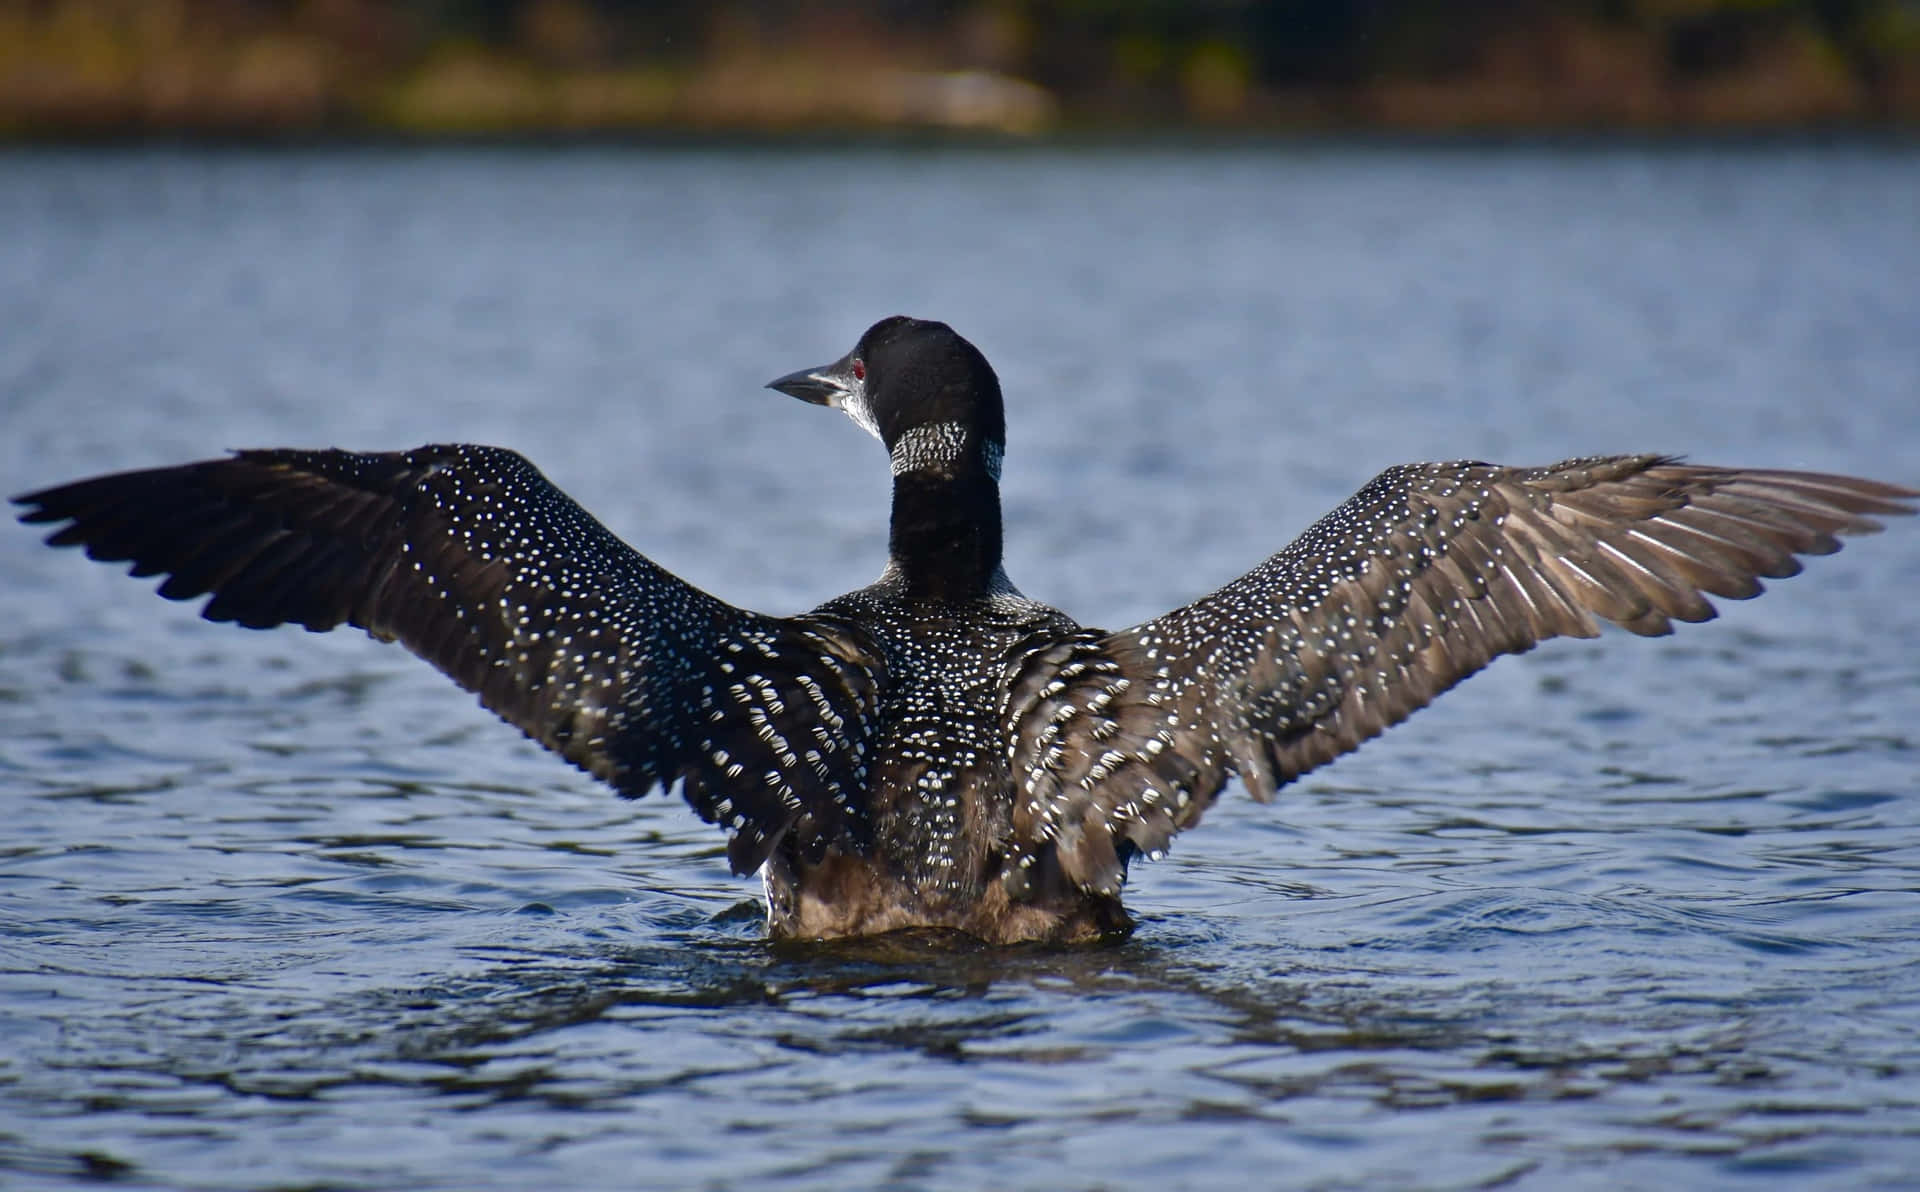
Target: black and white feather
x,y
1422,578
935,749
472,560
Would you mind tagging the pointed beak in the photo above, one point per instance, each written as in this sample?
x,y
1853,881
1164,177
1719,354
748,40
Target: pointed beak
x,y
828,385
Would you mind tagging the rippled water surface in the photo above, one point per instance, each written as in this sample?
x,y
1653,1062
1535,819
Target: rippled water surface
x,y
281,911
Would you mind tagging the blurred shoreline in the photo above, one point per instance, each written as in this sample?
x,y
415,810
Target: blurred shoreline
x,y
934,141
318,70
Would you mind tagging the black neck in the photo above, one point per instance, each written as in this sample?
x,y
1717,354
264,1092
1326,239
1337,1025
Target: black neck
x,y
945,541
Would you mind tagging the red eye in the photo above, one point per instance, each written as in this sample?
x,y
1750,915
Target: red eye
x,y
859,369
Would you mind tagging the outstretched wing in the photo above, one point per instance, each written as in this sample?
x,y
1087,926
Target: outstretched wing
x,y
475,562
1422,578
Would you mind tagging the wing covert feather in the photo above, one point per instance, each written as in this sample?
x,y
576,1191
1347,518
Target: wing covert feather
x,y
1421,579
470,558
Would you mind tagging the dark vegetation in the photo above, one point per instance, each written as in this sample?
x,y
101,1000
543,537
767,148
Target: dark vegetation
x,y
429,67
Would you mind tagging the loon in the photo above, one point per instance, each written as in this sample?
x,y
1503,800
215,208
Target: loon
x,y
936,750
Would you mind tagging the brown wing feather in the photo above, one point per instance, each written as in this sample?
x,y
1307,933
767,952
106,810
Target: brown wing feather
x,y
1421,579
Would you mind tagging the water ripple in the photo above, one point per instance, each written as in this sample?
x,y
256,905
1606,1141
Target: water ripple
x,y
285,911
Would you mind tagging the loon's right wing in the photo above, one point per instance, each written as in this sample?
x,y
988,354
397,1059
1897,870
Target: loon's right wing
x,y
1422,578
474,561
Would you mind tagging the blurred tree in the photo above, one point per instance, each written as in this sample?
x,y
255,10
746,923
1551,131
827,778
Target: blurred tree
x,y
234,65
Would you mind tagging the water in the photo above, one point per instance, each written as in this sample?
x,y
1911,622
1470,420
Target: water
x,y
280,911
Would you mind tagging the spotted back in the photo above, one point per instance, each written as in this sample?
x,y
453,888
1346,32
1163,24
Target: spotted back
x,y
940,796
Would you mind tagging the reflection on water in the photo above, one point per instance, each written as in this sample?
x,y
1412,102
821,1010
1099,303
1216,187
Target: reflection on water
x,y
287,910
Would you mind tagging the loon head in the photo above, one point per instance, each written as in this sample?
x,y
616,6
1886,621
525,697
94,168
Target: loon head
x,y
914,385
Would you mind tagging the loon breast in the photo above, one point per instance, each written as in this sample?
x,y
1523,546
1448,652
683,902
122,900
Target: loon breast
x,y
935,750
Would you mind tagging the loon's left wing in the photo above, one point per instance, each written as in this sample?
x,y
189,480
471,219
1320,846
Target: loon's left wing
x,y
474,561
1422,578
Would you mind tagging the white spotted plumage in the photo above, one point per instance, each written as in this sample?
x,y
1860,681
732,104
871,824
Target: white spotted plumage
x,y
936,749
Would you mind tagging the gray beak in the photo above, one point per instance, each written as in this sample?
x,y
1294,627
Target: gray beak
x,y
829,385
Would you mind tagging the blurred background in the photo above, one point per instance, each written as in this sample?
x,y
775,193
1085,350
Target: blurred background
x,y
1017,67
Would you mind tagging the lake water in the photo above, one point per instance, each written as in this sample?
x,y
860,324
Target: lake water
x,y
288,911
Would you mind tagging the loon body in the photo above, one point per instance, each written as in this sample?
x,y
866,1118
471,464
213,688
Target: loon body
x,y
936,750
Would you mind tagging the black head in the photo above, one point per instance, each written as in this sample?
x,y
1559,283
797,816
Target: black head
x,y
907,373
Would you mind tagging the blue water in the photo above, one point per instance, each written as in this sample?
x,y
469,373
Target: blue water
x,y
281,910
